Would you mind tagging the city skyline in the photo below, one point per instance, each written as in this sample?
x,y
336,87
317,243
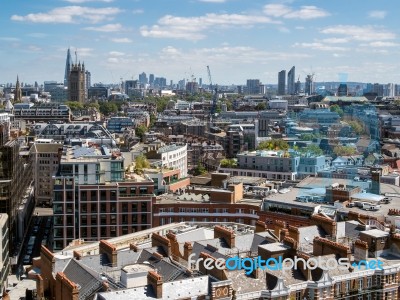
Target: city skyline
x,y
237,39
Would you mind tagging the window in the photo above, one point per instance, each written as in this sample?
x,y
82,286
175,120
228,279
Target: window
x,y
360,283
134,207
84,220
369,282
378,280
338,288
143,206
347,286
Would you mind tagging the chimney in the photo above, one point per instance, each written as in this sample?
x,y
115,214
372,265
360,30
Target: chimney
x,y
187,250
326,223
158,240
77,255
133,247
155,280
360,250
110,250
261,226
278,226
227,234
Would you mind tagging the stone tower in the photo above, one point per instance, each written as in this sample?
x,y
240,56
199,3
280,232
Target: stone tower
x,y
76,83
17,92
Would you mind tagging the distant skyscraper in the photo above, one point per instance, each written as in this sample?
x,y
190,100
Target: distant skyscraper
x,y
253,86
151,79
342,90
143,78
378,89
282,82
297,88
200,82
291,86
68,64
309,87
76,80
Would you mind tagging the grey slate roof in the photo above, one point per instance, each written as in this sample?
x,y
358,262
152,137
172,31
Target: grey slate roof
x,y
88,280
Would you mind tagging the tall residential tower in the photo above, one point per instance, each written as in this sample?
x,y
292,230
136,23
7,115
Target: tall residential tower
x,y
282,82
291,86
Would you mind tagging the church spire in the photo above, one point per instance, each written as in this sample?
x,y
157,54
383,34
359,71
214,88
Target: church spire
x,y
17,91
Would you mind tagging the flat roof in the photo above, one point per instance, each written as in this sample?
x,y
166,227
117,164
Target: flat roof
x,y
375,233
368,196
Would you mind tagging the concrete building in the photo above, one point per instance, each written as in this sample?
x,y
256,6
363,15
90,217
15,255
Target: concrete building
x,y
253,86
42,112
61,132
277,165
119,124
291,77
175,157
45,160
94,197
4,254
282,82
15,179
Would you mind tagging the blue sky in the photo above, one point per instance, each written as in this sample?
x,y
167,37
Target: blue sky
x,y
238,39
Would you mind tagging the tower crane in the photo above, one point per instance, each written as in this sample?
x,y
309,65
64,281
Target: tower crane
x,y
214,95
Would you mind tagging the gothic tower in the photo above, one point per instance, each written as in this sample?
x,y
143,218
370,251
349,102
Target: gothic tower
x,y
76,83
17,92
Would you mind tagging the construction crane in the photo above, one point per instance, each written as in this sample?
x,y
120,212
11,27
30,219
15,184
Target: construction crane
x,y
214,95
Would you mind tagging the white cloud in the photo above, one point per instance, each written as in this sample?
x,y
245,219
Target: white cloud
x,y
85,1
38,35
380,44
106,28
70,14
319,46
191,28
121,40
360,33
9,39
213,1
116,53
34,48
377,14
287,12
137,11
335,40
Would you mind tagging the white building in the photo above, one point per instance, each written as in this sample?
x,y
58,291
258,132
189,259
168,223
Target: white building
x,y
174,156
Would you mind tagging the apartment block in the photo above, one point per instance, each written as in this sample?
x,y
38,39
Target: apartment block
x,y
94,198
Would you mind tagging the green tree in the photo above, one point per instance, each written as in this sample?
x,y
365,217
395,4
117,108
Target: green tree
x,y
313,149
107,108
261,106
274,144
199,170
92,105
336,108
344,150
141,163
356,126
228,163
140,131
74,105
